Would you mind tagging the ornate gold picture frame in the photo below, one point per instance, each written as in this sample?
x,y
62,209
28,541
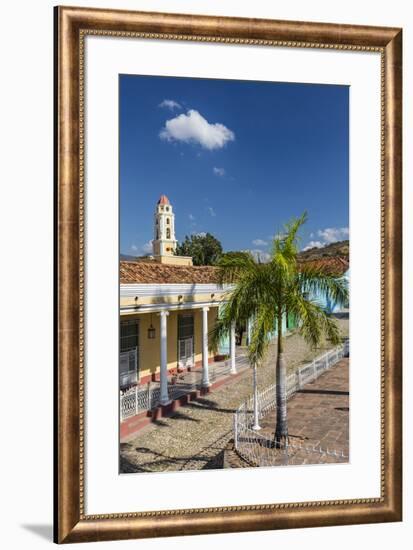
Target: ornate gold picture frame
x,y
72,26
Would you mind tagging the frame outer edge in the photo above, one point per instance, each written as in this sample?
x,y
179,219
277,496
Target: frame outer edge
x,y
68,306
189,523
393,272
71,525
237,27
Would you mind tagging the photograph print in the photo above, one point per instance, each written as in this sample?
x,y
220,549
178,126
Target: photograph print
x,y
234,274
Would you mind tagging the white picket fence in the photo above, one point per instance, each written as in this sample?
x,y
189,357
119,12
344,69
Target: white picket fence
x,y
138,398
257,448
141,398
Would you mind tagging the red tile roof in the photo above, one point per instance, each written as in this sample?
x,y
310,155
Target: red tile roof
x,y
156,273
140,272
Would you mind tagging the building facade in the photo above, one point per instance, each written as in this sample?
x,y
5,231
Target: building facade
x,y
167,308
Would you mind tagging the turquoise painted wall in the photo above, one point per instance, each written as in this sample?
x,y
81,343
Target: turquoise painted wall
x,y
329,306
224,347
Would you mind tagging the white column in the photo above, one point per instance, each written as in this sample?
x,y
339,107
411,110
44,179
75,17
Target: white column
x,y
205,371
232,348
249,332
164,359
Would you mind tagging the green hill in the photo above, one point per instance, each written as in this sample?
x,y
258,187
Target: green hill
x,y
340,248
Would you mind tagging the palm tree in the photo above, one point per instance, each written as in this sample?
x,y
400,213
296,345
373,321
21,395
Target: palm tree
x,y
265,292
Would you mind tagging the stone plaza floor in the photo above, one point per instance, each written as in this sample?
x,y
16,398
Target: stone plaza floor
x,y
196,435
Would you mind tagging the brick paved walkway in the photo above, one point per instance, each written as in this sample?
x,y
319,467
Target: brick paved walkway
x,y
318,416
195,436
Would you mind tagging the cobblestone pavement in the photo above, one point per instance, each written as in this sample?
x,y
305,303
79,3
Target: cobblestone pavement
x,y
195,436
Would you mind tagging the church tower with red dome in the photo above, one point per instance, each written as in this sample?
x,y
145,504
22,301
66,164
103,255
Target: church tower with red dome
x,y
164,241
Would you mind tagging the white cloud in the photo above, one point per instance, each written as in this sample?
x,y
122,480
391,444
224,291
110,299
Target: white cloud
x,y
194,128
170,104
200,234
327,236
147,248
211,211
259,242
333,234
142,250
191,217
219,171
314,244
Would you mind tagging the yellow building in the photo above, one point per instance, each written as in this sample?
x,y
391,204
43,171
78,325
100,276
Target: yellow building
x,y
167,308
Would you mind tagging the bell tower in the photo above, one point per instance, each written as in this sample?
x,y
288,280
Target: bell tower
x,y
164,241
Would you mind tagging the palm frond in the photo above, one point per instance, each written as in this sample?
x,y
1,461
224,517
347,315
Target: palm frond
x,y
263,326
313,319
232,267
315,280
253,290
285,246
260,290
291,239
243,302
221,328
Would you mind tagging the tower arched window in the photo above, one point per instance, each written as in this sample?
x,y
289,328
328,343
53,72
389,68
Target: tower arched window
x,y
168,233
167,221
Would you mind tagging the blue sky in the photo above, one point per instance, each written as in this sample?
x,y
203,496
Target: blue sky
x,y
236,159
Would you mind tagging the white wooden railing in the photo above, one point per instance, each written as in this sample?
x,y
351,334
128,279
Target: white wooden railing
x,y
141,398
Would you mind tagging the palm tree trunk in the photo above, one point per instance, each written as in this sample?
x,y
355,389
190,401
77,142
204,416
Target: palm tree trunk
x,y
281,429
256,425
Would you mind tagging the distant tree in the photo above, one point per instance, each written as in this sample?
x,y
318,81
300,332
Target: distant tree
x,y
205,249
242,254
236,254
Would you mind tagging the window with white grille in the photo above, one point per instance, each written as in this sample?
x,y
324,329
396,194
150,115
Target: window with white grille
x,y
185,326
129,335
185,339
129,353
